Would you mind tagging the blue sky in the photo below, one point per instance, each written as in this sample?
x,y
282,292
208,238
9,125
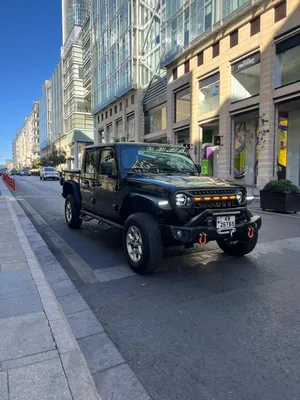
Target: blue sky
x,y
30,32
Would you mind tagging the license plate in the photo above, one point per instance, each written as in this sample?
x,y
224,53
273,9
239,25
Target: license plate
x,y
227,221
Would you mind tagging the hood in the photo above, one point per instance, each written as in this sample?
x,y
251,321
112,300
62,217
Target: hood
x,y
176,182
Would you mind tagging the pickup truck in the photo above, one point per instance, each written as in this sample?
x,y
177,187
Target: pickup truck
x,y
155,193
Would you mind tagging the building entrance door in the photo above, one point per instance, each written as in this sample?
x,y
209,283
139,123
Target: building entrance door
x,y
210,150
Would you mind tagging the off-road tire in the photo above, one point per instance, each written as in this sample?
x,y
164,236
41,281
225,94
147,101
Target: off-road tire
x,y
152,243
238,249
75,221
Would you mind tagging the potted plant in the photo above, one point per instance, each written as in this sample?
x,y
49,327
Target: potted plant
x,y
282,196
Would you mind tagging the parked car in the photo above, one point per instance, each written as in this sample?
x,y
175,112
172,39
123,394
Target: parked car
x,y
13,172
3,171
49,173
25,172
155,194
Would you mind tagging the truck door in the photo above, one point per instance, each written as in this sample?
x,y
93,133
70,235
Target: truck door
x,y
88,178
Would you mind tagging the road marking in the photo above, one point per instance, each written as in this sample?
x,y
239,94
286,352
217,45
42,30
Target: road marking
x,y
83,270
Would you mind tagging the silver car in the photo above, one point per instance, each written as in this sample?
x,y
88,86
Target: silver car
x,y
49,173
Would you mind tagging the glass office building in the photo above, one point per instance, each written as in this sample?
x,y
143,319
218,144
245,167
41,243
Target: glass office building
x,y
45,116
57,103
126,47
74,12
187,21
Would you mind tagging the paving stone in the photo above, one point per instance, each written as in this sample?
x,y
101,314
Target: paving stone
x,y
41,381
39,246
84,323
16,283
52,309
20,362
3,386
80,381
55,275
24,335
44,290
100,352
12,252
63,336
9,266
120,383
22,305
62,288
72,303
45,257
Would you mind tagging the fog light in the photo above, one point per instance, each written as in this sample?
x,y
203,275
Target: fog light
x,y
179,234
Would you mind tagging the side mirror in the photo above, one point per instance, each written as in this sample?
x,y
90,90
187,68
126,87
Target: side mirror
x,y
199,168
106,168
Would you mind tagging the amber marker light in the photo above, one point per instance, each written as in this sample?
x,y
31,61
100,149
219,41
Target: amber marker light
x,y
207,198
232,197
224,197
197,198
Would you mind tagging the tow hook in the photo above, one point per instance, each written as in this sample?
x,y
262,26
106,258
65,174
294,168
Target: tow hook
x,y
251,232
202,238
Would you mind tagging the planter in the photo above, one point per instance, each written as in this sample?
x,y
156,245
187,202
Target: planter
x,y
278,201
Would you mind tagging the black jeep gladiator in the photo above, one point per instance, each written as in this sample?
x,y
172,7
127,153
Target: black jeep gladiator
x,y
155,193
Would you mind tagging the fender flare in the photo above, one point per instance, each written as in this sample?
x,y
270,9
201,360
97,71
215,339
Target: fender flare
x,y
71,187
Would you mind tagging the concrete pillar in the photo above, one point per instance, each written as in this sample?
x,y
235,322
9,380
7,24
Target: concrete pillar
x,y
75,154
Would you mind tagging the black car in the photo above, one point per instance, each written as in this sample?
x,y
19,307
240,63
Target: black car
x,y
156,195
25,172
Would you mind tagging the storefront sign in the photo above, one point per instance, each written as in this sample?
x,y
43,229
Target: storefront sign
x,y
246,63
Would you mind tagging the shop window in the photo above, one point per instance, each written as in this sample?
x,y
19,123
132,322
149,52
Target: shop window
x,y
234,38
119,128
288,61
255,26
209,94
200,59
187,67
182,104
282,134
156,119
216,50
280,12
131,127
109,133
245,78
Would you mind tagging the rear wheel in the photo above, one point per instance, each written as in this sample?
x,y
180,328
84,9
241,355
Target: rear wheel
x,y
238,248
72,212
142,243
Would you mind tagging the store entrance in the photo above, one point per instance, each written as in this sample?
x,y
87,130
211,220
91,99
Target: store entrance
x,y
210,149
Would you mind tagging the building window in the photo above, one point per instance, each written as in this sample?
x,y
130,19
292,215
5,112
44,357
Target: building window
x,y
106,114
200,59
102,117
126,102
245,78
174,73
109,133
255,26
209,94
280,11
119,128
288,61
132,99
130,127
187,67
156,119
98,119
121,106
234,38
216,50
182,105
116,109
110,112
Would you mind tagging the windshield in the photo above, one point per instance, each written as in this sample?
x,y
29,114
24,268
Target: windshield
x,y
49,169
157,159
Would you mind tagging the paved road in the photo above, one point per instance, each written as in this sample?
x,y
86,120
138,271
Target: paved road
x,y
206,326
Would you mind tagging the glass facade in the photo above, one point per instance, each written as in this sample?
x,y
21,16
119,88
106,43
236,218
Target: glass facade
x,y
186,20
44,115
245,78
182,105
74,12
209,94
126,47
156,119
288,61
57,103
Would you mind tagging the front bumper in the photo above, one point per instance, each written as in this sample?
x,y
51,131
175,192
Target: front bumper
x,y
191,234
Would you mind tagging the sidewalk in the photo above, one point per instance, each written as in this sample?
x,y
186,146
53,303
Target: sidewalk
x,y
39,356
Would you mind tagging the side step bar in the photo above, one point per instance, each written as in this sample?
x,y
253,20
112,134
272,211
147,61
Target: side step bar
x,y
88,216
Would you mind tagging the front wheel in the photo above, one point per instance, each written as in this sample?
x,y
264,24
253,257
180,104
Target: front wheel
x,y
238,248
72,212
142,243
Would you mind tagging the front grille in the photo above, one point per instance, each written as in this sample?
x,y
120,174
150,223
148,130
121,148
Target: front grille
x,y
216,205
212,192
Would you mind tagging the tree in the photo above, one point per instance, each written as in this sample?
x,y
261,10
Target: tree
x,y
36,164
255,138
57,157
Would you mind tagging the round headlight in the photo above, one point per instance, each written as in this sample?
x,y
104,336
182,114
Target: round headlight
x,y
180,199
239,196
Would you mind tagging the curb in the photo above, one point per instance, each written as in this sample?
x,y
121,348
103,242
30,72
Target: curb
x,y
80,380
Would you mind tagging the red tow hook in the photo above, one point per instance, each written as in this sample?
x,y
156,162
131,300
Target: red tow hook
x,y
251,232
202,238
